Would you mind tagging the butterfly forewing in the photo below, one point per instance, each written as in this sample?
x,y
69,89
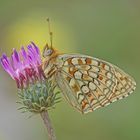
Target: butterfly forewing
x,y
89,83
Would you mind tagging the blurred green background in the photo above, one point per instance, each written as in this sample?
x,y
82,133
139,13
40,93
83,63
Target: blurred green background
x,y
107,29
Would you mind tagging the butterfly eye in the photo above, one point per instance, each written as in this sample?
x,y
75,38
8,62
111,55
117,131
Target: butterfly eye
x,y
47,52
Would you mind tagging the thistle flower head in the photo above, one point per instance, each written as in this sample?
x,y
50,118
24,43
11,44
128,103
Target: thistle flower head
x,y
24,66
35,91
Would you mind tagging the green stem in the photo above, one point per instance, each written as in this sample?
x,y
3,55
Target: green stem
x,y
47,122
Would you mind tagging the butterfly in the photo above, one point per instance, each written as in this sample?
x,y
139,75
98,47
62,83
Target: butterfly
x,y
87,83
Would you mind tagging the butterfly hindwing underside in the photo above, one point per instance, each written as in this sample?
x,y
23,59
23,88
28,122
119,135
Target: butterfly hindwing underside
x,y
89,83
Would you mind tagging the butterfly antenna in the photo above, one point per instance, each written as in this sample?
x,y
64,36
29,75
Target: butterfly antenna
x,y
50,32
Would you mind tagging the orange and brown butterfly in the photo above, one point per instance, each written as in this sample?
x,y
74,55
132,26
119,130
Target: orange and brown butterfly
x,y
86,82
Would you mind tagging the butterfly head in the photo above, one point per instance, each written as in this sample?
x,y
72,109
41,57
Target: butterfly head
x,y
48,51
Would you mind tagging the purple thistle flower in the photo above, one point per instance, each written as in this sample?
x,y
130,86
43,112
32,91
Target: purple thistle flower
x,y
24,66
37,94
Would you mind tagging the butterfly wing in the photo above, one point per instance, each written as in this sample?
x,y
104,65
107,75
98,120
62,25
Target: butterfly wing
x,y
89,83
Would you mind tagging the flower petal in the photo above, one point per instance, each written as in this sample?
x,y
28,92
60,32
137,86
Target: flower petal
x,y
36,48
24,56
35,53
16,55
15,60
7,66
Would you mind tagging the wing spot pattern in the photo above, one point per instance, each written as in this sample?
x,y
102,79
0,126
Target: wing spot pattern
x,y
92,86
86,77
72,70
78,75
80,62
85,89
74,61
88,61
76,88
80,97
93,74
